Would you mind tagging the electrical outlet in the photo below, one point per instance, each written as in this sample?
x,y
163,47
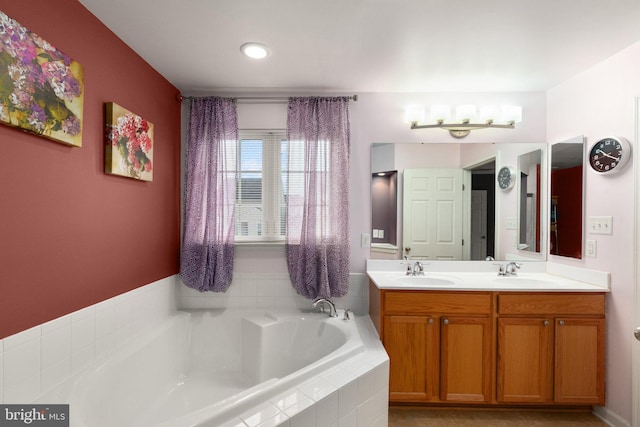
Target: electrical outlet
x,y
591,248
600,225
365,240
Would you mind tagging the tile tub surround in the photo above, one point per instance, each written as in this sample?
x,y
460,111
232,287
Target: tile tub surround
x,y
34,361
355,393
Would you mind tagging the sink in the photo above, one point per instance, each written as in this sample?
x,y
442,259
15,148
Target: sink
x,y
425,281
524,281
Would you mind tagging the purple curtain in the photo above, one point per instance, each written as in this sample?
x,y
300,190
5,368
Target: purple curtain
x,y
317,245
206,261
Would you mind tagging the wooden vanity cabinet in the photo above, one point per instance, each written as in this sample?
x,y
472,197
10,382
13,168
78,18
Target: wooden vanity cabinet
x,y
551,348
439,345
501,348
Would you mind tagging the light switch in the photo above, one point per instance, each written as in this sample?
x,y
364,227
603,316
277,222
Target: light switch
x,y
591,248
600,225
512,223
365,240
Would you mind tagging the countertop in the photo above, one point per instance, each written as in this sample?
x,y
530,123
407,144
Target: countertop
x,y
474,276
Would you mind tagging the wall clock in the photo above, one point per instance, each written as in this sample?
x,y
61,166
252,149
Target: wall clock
x,y
506,177
610,154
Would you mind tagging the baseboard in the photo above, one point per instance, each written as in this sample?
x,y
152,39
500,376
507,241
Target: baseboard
x,y
609,417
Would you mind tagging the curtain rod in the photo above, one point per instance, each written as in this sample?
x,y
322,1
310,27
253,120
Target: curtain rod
x,y
181,98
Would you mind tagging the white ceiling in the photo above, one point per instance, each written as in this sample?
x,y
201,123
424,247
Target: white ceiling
x,y
372,45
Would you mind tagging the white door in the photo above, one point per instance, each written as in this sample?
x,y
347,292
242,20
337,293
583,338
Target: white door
x,y
432,218
478,224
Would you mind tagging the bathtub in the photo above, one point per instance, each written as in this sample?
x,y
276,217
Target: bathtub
x,y
204,368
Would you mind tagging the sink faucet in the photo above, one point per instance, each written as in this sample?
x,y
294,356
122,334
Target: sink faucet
x,y
510,269
418,269
321,302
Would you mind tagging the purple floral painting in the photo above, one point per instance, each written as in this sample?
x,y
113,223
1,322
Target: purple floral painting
x,y
41,88
129,145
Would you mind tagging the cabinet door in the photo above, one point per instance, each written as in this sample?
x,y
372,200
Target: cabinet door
x,y
525,360
579,361
465,357
408,341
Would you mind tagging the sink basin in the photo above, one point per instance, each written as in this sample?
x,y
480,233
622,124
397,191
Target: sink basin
x,y
425,281
524,281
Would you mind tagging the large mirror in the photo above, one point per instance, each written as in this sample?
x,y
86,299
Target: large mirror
x,y
566,199
463,227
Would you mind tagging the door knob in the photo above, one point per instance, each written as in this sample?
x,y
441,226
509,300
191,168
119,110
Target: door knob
x,y
636,333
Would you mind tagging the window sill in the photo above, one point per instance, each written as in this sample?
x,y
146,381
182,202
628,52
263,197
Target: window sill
x,y
250,244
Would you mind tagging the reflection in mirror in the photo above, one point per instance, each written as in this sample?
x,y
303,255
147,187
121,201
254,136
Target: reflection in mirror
x,y
384,211
529,207
471,164
567,196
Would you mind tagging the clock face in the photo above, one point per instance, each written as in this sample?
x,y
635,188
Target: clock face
x,y
609,154
506,178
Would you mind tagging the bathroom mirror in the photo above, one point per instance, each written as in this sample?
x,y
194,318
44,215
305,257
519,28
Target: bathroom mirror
x,y
476,235
566,201
529,192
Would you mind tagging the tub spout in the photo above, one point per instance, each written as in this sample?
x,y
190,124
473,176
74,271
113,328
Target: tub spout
x,y
332,307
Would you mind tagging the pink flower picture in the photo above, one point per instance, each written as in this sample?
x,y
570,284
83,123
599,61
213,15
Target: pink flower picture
x,y
129,144
41,88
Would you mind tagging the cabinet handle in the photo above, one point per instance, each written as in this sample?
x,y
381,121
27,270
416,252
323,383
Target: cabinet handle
x,y
445,321
561,323
546,323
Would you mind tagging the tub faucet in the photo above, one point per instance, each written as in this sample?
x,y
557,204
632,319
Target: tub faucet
x,y
332,307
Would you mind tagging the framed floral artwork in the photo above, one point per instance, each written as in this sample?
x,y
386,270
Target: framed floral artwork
x,y
129,144
41,88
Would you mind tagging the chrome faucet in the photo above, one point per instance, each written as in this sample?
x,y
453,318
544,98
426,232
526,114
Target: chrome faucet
x,y
418,269
322,302
509,269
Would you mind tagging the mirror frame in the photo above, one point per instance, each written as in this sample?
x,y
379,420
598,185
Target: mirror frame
x,y
541,197
580,139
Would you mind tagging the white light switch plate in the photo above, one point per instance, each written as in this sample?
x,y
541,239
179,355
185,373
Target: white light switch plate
x,y
365,240
600,225
512,223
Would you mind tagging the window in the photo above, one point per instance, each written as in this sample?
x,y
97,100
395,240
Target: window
x,y
260,185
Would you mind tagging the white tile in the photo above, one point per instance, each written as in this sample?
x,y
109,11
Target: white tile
x,y
371,410
338,377
26,391
259,414
327,411
280,420
81,358
288,399
83,332
55,374
316,388
349,420
105,345
303,418
105,321
56,345
381,375
55,324
21,338
347,399
21,363
83,313
366,386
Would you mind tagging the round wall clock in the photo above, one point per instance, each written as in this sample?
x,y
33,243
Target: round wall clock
x,y
506,177
610,154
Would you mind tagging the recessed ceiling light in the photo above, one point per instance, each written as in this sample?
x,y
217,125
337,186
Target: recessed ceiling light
x,y
254,50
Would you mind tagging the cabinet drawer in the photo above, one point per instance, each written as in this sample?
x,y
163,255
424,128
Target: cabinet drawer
x,y
427,302
551,304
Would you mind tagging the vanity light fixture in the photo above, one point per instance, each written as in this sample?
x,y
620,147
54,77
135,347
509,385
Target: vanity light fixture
x,y
254,50
467,118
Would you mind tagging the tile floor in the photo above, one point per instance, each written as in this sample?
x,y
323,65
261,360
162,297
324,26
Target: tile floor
x,y
402,416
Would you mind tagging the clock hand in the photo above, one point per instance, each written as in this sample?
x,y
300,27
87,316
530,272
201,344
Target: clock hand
x,y
607,155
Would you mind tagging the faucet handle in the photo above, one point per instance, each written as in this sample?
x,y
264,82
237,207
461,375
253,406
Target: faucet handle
x,y
347,314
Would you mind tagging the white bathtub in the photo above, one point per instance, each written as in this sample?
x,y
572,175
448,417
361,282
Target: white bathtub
x,y
202,368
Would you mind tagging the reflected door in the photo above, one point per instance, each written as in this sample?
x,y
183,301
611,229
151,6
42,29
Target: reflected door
x,y
478,224
432,219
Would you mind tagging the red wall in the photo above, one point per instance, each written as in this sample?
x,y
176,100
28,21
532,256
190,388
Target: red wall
x,y
70,235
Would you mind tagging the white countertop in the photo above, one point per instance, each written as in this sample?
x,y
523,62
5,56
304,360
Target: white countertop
x,y
483,276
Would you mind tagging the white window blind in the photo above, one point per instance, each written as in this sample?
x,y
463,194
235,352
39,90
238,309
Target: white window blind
x,y
260,199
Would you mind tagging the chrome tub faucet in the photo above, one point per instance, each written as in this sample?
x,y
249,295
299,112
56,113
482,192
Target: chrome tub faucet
x,y
322,302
